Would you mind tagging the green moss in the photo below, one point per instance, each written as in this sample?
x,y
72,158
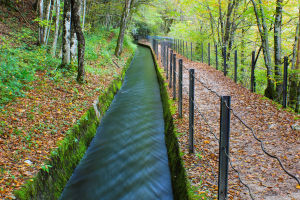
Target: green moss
x,y
178,175
49,184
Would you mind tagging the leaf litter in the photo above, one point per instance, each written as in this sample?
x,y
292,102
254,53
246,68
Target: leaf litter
x,y
272,125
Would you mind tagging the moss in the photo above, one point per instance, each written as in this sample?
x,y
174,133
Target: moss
x,y
49,184
178,174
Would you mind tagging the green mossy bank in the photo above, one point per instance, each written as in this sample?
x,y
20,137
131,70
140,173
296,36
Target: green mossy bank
x,y
52,178
178,174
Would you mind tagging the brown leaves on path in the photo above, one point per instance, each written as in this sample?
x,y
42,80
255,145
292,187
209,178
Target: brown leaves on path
x,y
272,125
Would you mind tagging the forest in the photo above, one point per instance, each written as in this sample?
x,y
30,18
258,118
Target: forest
x,y
58,56
269,28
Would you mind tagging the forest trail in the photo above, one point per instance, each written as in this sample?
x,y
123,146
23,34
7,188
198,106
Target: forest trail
x,y
127,159
272,125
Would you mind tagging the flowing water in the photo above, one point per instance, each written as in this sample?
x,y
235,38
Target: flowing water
x,y
127,158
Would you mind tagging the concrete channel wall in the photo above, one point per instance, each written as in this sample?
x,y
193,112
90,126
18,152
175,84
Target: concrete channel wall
x,y
178,174
49,184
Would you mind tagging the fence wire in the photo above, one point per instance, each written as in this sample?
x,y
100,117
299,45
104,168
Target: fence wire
x,y
248,127
203,151
202,83
245,124
238,173
262,145
213,133
206,121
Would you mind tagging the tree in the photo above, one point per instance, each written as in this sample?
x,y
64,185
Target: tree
x,y
293,76
83,13
47,20
50,22
75,7
57,11
264,35
297,68
277,49
41,29
66,33
123,25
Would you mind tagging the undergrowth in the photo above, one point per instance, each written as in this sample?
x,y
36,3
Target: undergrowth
x,y
18,64
20,61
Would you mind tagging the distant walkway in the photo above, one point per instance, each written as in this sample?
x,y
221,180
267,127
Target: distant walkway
x,y
127,159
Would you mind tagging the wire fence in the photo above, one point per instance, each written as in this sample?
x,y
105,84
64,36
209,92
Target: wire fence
x,y
167,54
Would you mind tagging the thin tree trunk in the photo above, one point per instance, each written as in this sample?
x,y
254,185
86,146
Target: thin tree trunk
x,y
47,18
293,76
51,18
297,68
277,50
83,14
232,32
228,23
53,52
263,30
243,57
221,23
126,13
81,41
73,42
41,29
66,38
211,23
295,47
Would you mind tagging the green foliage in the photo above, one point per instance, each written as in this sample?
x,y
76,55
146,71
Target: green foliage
x,y
102,43
46,168
20,61
142,28
18,64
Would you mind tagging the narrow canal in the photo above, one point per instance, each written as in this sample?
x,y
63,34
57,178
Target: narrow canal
x,y
127,158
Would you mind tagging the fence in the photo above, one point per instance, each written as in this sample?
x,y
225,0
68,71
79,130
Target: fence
x,y
168,59
236,73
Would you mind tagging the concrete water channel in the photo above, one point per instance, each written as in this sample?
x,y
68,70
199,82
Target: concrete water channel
x,y
127,159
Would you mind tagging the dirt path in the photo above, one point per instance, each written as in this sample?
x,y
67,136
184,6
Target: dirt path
x,y
261,173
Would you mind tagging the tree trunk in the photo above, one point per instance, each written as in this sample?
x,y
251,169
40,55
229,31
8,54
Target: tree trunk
x,y
277,50
228,23
51,18
263,31
83,13
66,38
293,75
297,68
221,23
124,19
73,42
232,30
80,37
41,29
211,23
243,57
53,52
47,18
